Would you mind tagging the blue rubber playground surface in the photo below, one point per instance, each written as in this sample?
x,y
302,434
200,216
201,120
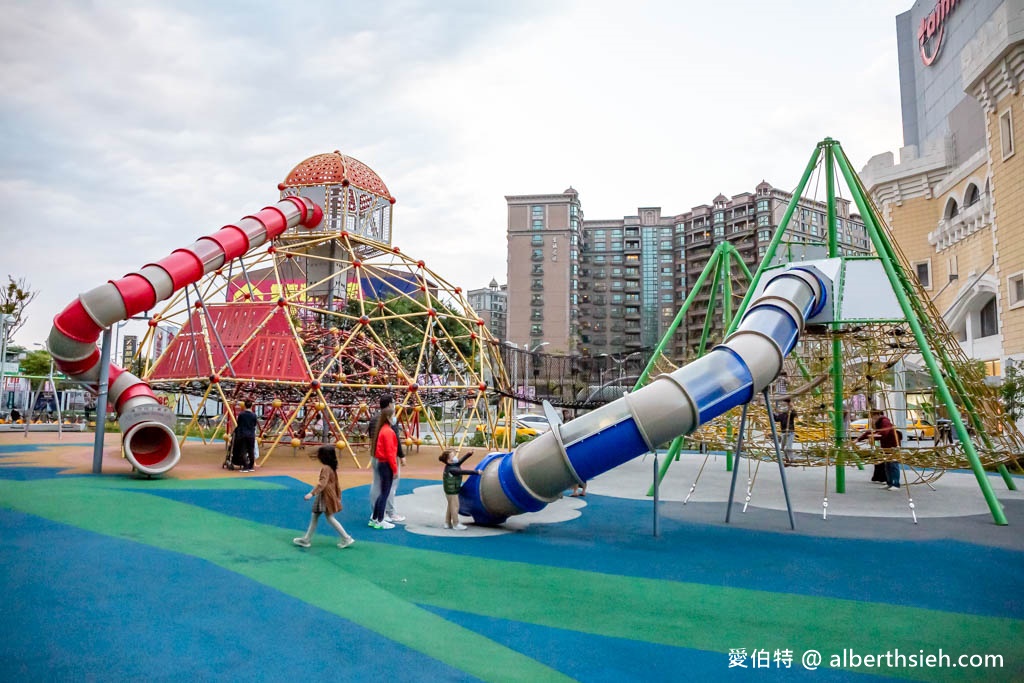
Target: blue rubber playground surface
x,y
111,578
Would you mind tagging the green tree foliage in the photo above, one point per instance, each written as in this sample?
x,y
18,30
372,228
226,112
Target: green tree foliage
x,y
36,364
1012,390
14,299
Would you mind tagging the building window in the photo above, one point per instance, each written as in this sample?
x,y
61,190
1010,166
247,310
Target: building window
x,y
764,235
599,234
665,244
762,205
537,240
599,246
719,217
1016,289
536,330
666,298
989,319
1006,132
952,209
719,230
537,210
993,368
923,271
972,196
762,220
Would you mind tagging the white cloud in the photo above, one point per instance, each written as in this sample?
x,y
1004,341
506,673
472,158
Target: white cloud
x,y
132,129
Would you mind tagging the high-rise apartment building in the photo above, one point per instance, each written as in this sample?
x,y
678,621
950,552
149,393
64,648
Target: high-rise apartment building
x,y
544,236
623,280
955,200
491,304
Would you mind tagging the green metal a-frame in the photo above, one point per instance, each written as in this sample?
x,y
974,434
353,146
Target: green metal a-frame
x,y
940,352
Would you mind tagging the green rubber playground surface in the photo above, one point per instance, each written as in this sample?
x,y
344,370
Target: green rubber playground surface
x,y
112,578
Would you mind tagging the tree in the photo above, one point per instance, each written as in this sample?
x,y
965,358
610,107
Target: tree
x,y
36,364
1012,390
14,299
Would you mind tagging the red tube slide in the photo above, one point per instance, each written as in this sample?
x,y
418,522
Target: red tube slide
x,y
147,428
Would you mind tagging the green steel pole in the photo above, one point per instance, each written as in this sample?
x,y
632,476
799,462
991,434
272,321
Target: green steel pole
x,y
777,238
727,322
710,314
739,260
878,240
837,346
727,288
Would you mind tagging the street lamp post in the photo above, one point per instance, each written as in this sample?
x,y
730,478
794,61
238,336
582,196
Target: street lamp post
x,y
5,319
529,356
515,368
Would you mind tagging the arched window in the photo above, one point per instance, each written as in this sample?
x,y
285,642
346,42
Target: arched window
x,y
972,196
952,209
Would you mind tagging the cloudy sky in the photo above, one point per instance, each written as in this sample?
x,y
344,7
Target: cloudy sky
x,y
130,129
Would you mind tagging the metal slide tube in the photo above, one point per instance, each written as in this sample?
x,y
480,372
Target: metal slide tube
x,y
732,374
147,427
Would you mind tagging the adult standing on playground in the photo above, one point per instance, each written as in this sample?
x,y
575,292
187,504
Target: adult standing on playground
x,y
245,436
385,451
786,417
883,429
390,513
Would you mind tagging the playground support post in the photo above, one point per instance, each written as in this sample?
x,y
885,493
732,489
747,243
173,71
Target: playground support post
x,y
101,403
838,423
874,233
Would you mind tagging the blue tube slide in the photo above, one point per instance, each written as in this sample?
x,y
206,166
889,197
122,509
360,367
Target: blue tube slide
x,y
731,374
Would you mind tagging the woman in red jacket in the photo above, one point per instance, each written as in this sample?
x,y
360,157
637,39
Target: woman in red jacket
x,y
385,450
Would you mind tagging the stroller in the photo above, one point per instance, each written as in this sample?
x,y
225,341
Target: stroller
x,y
234,458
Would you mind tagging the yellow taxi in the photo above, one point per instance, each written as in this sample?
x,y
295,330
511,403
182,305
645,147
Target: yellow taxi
x,y
920,429
523,430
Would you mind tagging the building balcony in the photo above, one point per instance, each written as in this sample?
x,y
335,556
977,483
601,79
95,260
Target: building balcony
x,y
537,257
633,342
970,220
537,288
632,315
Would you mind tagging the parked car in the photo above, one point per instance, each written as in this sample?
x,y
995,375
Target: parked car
x,y
858,427
920,429
538,422
522,429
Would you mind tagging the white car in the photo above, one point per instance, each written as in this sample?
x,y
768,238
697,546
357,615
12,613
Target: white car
x,y
538,422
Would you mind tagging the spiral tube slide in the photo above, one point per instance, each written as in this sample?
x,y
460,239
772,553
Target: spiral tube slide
x,y
147,427
732,374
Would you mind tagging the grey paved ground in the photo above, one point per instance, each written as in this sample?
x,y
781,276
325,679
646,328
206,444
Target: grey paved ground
x,y
955,509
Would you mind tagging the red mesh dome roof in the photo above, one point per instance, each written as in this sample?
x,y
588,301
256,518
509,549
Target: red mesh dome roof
x,y
334,168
